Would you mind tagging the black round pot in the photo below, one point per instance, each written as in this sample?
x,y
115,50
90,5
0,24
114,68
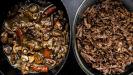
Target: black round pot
x,y
5,67
84,66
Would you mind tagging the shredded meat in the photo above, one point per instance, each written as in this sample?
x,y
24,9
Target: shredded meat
x,y
105,36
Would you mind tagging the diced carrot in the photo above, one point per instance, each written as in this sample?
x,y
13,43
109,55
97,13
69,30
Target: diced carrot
x,y
40,68
47,53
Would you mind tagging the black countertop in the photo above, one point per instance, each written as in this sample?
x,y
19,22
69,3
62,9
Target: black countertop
x,y
71,66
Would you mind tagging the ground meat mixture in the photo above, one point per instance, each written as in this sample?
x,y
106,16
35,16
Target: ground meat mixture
x,y
105,36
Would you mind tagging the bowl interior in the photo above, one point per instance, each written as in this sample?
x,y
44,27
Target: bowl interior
x,y
6,68
87,67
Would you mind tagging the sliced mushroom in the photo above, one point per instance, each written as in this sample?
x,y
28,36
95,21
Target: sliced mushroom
x,y
33,8
4,37
7,49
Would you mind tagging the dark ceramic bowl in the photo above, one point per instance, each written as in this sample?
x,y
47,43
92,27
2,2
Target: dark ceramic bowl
x,y
84,66
5,67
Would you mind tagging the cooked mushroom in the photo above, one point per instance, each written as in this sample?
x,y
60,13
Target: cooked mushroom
x,y
7,49
4,37
33,8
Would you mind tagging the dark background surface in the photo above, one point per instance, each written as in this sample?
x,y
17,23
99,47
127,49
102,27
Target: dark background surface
x,y
71,66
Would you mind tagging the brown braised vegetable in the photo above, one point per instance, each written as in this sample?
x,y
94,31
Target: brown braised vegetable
x,y
105,38
19,34
33,39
